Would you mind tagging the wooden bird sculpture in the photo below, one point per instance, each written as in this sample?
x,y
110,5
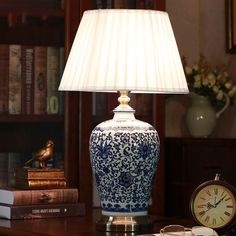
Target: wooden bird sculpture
x,y
42,155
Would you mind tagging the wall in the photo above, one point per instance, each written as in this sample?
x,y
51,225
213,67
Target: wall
x,y
199,27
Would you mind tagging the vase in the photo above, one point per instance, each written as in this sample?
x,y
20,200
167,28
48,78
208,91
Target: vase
x,y
124,154
201,117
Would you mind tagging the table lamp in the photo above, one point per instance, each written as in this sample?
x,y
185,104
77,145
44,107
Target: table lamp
x,y
124,50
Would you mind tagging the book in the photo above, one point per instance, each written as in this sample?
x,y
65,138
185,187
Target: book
x,y
130,4
13,196
53,71
119,4
33,178
40,80
4,80
40,183
41,211
27,55
34,173
61,70
140,4
14,79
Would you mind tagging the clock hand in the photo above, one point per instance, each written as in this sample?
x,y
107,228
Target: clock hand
x,y
216,204
209,206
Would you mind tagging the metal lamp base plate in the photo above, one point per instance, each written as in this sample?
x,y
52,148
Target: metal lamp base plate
x,y
125,224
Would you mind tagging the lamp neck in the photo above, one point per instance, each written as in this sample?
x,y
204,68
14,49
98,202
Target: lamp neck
x,y
123,110
124,100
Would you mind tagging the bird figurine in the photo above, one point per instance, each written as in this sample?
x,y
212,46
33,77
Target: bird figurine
x,y
42,155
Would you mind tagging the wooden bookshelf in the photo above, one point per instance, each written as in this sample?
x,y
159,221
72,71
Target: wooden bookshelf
x,y
27,23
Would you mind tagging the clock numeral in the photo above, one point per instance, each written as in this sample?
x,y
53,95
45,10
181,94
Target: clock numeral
x,y
222,193
214,221
229,206
202,213
227,199
208,192
207,219
216,191
227,213
222,219
204,199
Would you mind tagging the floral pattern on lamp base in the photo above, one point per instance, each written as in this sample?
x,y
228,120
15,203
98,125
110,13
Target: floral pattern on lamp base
x,y
124,155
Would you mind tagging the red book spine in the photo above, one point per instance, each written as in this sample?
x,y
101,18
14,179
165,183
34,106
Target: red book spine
x,y
34,197
27,80
40,80
4,73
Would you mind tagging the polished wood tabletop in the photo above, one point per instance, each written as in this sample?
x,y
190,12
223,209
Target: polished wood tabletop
x,y
73,226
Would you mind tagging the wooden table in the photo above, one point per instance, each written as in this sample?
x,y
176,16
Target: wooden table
x,y
72,226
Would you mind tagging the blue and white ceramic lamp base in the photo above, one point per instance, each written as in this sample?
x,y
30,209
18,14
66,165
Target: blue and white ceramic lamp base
x,y
124,154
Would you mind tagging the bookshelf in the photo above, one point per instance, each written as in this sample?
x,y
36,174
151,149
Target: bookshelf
x,y
55,24
40,24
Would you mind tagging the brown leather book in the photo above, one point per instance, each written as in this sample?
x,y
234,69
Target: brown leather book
x,y
4,79
40,80
40,183
33,197
34,173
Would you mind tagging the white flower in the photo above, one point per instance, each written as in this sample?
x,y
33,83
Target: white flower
x,y
232,92
212,79
188,70
228,85
205,82
215,89
197,78
195,67
210,82
197,84
220,95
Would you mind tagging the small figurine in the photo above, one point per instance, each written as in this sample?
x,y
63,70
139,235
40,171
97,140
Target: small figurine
x,y
42,155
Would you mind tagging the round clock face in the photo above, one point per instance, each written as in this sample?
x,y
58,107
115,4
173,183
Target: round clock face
x,y
213,205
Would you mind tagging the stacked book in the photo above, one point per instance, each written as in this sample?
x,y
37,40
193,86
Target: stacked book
x,y
35,204
39,193
35,178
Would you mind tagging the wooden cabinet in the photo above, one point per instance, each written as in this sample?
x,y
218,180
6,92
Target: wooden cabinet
x,y
189,162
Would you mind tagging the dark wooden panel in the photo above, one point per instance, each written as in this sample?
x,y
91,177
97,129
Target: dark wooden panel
x,y
193,161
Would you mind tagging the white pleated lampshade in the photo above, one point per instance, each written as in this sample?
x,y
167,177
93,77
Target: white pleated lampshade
x,y
124,50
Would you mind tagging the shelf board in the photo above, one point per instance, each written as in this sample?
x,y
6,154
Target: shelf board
x,y
33,12
31,118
